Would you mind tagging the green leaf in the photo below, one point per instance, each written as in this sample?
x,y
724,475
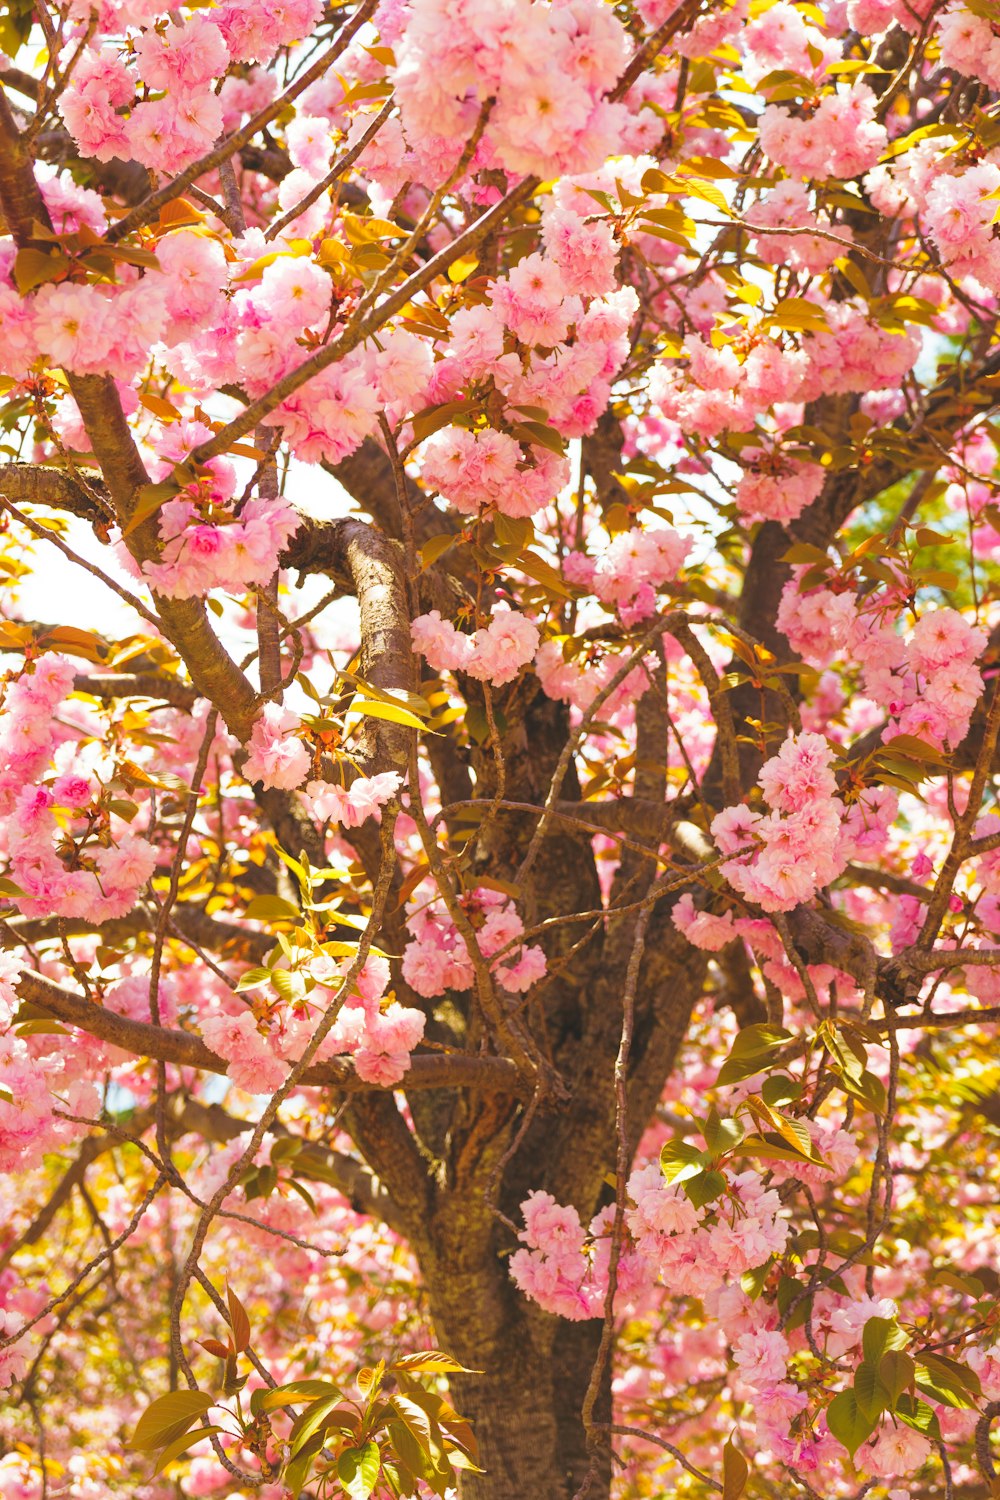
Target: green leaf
x,y
896,1371
918,1415
737,1069
272,909
752,1282
750,1050
870,1089
358,1470
312,1421
148,501
167,1417
542,572
971,1286
297,1472
435,547
181,1445
868,1391
252,979
680,1160
879,1335
407,1449
9,888
735,1471
758,1040
34,267
721,1134
373,709
768,1149
431,1360
705,1188
848,1422
798,315
296,1391
779,1089
947,1381
913,748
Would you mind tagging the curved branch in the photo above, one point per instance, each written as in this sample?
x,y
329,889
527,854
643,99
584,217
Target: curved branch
x,y
109,686
373,564
449,1070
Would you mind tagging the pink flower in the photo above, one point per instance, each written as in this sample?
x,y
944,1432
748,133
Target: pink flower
x,y
761,1357
10,972
942,637
444,647
700,927
800,773
294,292
352,805
502,648
252,1065
276,757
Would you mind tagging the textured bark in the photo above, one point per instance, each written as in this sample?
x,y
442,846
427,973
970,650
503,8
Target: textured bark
x,y
526,1405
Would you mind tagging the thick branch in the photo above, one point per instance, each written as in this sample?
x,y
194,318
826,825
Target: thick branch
x,y
374,565
491,1074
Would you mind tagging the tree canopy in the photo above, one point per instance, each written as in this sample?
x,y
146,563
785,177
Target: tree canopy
x,y
500,845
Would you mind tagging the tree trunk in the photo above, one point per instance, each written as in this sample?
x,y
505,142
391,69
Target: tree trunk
x,y
526,1404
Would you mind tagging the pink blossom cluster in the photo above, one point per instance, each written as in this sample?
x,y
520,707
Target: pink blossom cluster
x,y
817,622
254,33
547,67
104,111
839,138
87,329
250,1062
959,210
476,470
204,543
569,328
775,486
331,415
95,881
578,680
55,860
27,730
277,757
554,1268
572,382
698,1250
495,653
153,102
935,697
955,205
713,392
628,571
780,38
371,1027
198,555
438,959
930,684
39,1078
969,45
787,205
695,1252
350,806
807,837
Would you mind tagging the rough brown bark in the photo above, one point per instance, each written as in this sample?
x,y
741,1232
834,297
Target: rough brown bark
x,y
526,1404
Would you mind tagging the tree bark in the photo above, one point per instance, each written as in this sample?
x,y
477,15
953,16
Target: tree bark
x,y
525,1405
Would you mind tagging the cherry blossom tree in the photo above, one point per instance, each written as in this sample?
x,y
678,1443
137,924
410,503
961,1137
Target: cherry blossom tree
x,y
499,761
